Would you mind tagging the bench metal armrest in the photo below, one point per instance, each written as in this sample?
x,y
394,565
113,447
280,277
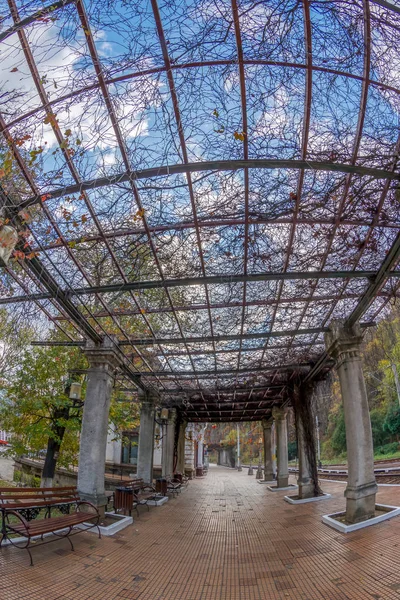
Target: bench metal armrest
x,y
149,487
14,513
80,502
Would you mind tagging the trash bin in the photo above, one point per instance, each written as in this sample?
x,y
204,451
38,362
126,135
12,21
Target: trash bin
x,y
199,472
123,499
161,486
178,476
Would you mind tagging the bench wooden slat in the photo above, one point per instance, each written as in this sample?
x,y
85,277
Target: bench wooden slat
x,y
34,497
53,524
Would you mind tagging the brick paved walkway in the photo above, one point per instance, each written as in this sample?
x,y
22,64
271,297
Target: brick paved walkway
x,y
225,538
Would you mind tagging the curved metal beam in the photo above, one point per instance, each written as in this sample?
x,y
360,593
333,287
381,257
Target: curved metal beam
x,y
214,165
211,280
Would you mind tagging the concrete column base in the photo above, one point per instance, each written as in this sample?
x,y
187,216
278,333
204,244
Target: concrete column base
x,y
360,502
306,490
282,481
99,500
268,476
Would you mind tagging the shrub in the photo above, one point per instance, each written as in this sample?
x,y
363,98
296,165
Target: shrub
x,y
388,448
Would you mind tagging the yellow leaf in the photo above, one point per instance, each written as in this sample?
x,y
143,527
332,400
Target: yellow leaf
x,y
239,135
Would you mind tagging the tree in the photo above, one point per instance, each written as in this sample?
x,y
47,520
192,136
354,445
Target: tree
x,y
392,420
15,335
37,409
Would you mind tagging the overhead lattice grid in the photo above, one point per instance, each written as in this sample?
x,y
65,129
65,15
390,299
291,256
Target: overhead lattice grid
x,y
211,182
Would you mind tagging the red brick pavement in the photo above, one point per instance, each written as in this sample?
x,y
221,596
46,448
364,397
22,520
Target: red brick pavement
x,y
225,538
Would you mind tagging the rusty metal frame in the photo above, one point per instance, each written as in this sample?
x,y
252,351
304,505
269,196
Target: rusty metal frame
x,y
176,365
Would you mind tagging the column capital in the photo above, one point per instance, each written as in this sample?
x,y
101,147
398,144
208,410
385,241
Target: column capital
x,y
341,342
267,423
279,413
104,356
147,396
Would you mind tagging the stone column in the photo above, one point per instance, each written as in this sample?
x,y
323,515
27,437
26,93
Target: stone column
x,y
304,481
146,437
279,415
93,443
268,464
168,444
189,451
180,464
344,345
200,452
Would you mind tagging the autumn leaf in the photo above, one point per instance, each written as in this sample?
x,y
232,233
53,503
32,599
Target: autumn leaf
x,y
84,218
50,119
239,135
14,70
45,197
215,113
32,255
68,132
20,141
220,130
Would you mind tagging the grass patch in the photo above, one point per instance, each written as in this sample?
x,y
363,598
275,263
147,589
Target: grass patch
x,y
4,483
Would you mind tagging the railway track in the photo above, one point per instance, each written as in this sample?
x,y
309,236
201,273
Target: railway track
x,y
383,474
392,478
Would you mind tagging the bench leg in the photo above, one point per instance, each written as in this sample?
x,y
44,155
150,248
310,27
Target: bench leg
x,y
30,556
70,541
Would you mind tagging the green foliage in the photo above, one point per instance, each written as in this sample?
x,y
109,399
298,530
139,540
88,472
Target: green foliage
x,y
124,414
392,420
387,449
379,433
338,439
34,398
292,450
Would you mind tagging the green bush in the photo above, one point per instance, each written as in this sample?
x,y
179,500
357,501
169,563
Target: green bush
x,y
380,435
338,439
392,420
292,450
387,448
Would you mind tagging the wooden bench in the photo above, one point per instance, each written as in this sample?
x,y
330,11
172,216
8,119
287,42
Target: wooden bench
x,y
21,506
174,485
142,492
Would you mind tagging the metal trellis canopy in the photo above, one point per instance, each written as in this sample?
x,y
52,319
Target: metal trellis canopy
x,y
200,180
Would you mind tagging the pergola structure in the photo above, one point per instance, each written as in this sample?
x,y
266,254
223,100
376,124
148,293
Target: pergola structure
x,y
206,185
